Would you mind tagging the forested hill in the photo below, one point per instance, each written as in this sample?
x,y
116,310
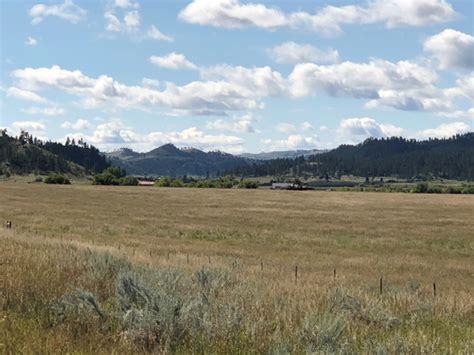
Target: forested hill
x,y
172,161
451,158
26,154
446,158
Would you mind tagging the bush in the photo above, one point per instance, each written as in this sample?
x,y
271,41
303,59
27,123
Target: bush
x,y
129,181
421,187
166,181
57,179
248,184
114,176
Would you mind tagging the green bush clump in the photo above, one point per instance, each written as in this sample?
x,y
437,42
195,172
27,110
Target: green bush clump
x,y
166,181
57,179
114,176
248,184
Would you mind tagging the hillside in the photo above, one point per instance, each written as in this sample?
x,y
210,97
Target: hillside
x,y
451,158
171,161
282,154
25,154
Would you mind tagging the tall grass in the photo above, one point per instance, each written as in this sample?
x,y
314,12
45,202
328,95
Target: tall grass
x,y
62,297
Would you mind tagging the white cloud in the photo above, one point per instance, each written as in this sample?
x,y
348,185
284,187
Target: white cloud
x,y
125,4
79,125
253,82
446,130
155,33
453,49
25,95
48,111
173,60
357,129
209,97
286,128
294,53
113,24
30,126
150,83
242,124
306,126
232,14
132,20
469,113
67,11
392,13
30,41
292,142
114,134
359,80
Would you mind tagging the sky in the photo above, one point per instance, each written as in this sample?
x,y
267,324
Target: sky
x,y
235,75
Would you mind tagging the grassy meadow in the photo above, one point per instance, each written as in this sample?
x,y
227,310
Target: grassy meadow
x,y
98,269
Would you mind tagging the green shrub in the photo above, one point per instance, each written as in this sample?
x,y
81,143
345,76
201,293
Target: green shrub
x,y
57,179
129,181
248,184
421,187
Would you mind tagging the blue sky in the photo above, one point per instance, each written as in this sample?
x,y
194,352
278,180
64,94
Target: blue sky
x,y
235,75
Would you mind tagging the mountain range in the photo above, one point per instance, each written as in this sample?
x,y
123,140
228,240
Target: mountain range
x,y
282,154
172,161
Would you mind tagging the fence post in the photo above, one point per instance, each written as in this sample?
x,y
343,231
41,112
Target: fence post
x,y
334,276
261,265
168,257
434,289
296,274
187,258
381,284
209,259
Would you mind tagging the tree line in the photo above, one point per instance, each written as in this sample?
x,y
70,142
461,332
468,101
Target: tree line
x,y
450,158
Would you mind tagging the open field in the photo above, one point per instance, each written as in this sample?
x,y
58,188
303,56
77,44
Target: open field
x,y
249,243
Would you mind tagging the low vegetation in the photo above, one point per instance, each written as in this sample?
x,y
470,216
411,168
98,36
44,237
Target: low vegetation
x,y
114,176
57,179
177,271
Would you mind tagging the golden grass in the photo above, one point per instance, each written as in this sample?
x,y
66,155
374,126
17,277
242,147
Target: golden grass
x,y
404,237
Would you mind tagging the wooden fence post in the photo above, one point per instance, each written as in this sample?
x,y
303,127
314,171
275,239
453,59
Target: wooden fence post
x,y
261,265
187,258
434,289
381,284
334,275
296,274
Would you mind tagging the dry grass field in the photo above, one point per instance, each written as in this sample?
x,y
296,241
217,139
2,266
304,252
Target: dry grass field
x,y
95,269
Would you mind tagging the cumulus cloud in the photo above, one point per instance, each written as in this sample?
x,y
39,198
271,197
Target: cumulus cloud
x,y
30,126
67,11
232,14
132,20
172,60
156,34
328,20
453,49
242,124
150,83
254,82
47,111
125,4
359,80
79,125
30,41
403,85
209,97
25,95
292,142
115,134
359,128
446,130
294,53
284,127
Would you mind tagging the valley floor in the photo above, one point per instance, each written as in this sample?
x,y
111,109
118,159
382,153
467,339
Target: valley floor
x,y
126,269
